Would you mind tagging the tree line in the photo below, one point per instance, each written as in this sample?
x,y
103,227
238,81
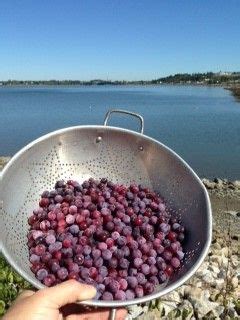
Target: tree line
x,y
210,78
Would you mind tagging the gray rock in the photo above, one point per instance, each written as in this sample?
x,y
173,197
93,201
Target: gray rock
x,y
135,311
219,183
236,184
222,274
209,184
214,269
208,278
219,283
3,162
204,306
233,213
172,296
235,260
234,282
187,310
231,186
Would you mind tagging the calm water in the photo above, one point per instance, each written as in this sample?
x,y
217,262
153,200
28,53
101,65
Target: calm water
x,y
201,124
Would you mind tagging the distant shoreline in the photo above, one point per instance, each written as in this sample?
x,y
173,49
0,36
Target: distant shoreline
x,y
234,88
114,85
205,78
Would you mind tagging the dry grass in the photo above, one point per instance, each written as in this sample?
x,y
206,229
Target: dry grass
x,y
235,91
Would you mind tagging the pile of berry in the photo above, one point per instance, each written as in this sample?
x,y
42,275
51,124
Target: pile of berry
x,y
120,239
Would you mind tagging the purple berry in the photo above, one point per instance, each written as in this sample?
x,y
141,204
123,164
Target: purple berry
x,y
113,286
151,261
175,262
70,219
164,227
87,250
139,291
40,249
34,258
107,296
106,254
123,284
137,262
98,262
180,255
145,269
141,279
50,239
103,271
153,270
149,288
132,282
41,274
130,294
121,241
102,246
120,295
115,235
62,273
96,253
56,246
154,280
162,277
49,280
124,263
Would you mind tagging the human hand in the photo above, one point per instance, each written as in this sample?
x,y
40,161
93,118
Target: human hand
x,y
49,303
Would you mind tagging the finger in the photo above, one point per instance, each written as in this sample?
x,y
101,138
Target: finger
x,y
24,294
67,292
98,314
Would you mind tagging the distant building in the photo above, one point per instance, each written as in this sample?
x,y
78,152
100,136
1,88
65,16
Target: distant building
x,y
221,73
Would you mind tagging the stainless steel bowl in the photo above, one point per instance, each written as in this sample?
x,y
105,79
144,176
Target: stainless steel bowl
x,y
121,155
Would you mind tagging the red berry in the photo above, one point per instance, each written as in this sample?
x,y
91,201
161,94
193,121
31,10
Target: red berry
x,y
83,225
62,223
73,275
44,202
83,240
172,236
138,222
57,255
79,218
130,211
31,220
96,214
148,213
93,272
109,242
67,243
60,230
169,270
51,215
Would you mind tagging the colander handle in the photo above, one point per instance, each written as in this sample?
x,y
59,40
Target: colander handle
x,y
112,314
136,115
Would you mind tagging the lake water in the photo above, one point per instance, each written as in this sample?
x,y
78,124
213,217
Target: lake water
x,y
202,124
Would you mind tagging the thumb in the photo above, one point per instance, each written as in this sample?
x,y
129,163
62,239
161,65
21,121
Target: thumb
x,y
67,292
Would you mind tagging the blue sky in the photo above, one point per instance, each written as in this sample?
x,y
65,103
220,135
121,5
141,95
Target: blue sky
x,y
125,39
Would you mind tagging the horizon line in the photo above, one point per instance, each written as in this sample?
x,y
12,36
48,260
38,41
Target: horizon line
x,y
124,80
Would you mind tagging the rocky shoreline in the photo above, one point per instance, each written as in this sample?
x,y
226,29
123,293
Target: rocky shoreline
x,y
214,291
235,89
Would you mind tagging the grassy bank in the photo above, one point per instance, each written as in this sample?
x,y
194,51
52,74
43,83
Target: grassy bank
x,y
235,90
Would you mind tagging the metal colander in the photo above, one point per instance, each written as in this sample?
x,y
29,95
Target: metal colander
x,y
118,154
